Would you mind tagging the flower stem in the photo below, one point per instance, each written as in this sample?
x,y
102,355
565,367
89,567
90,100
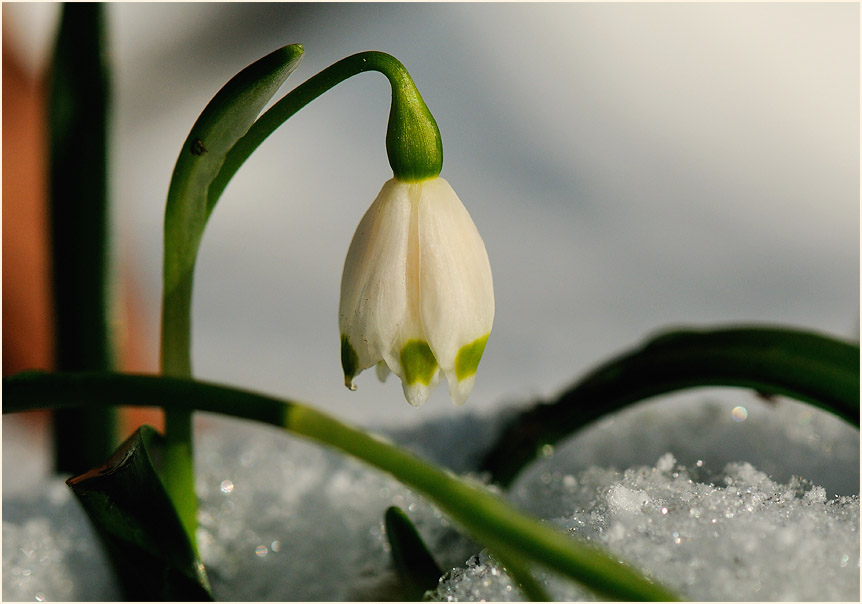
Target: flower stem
x,y
414,155
178,463
178,469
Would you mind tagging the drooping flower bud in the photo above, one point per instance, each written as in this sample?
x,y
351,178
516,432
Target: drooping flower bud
x,y
417,296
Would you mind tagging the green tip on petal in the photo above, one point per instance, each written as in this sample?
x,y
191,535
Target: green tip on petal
x,y
349,362
418,362
467,361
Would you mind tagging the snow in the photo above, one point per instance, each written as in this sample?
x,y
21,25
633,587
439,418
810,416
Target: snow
x,y
307,523
743,537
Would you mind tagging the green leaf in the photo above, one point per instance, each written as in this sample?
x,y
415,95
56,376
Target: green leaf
x,y
415,565
136,521
809,367
77,124
520,540
224,121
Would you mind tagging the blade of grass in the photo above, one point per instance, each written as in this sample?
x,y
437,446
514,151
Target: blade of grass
x,y
810,367
77,118
521,539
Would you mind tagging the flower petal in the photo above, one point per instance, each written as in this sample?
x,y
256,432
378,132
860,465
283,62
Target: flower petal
x,y
373,297
410,356
455,284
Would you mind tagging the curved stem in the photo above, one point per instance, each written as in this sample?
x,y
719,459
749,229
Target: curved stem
x,y
405,98
521,539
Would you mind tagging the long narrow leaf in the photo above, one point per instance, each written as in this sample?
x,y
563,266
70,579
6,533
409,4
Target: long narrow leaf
x,y
77,119
810,367
491,521
225,120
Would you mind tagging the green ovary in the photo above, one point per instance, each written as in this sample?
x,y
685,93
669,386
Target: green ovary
x,y
467,361
418,362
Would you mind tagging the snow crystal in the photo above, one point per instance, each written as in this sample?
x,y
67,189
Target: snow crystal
x,y
744,537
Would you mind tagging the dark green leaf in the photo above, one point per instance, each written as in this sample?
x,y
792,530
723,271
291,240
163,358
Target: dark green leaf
x,y
77,120
806,366
415,565
136,521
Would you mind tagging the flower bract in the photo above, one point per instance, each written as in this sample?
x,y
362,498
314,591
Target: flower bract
x,y
417,297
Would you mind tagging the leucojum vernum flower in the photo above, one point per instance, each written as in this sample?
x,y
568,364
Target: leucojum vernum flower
x,y
417,296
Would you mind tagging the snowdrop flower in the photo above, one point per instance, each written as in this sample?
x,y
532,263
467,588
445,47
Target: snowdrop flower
x,y
417,296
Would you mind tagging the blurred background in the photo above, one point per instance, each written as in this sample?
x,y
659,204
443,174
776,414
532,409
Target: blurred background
x,y
631,167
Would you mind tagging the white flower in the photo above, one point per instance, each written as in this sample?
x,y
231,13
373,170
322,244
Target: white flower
x,y
417,296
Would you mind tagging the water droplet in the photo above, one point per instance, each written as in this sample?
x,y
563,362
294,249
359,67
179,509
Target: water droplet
x,y
260,551
275,546
676,538
699,463
547,450
40,596
226,487
739,414
844,560
664,511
